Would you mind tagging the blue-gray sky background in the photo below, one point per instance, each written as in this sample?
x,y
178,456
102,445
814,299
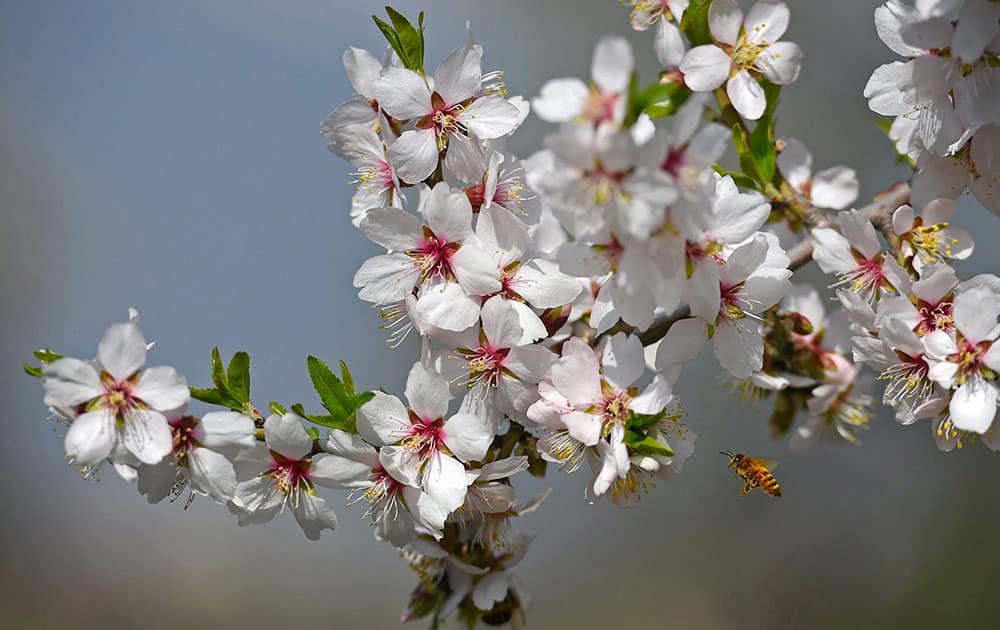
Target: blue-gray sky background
x,y
166,155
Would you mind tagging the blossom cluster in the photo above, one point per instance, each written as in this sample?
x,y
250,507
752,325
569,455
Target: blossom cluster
x,y
556,299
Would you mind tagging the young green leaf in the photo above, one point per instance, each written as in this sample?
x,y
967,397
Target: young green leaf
x,y
393,39
219,377
410,39
330,388
345,376
646,445
694,24
238,376
33,370
739,179
210,396
640,421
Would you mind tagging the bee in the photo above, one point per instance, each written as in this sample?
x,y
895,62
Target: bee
x,y
755,472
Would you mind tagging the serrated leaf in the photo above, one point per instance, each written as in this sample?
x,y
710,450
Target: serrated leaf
x,y
393,39
33,370
238,376
345,376
277,408
210,396
326,421
219,378
409,39
694,24
330,388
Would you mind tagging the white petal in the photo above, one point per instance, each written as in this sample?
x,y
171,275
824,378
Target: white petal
x,y
835,188
612,64
445,481
212,474
90,438
403,94
122,351
156,482
467,436
332,471
704,293
746,95
392,228
286,435
500,323
491,589
475,270
725,20
938,177
448,307
973,406
860,233
668,44
363,69
383,420
561,100
890,19
622,360
351,446
163,388
705,67
70,382
226,429
414,155
975,312
739,348
490,117
831,251
795,163
977,25
427,392
766,22
780,63
459,75
890,89
386,279
464,159
313,515
544,286
147,435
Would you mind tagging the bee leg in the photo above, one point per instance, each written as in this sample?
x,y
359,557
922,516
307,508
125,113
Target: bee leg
x,y
746,488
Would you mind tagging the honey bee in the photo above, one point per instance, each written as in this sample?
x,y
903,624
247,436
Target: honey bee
x,y
755,472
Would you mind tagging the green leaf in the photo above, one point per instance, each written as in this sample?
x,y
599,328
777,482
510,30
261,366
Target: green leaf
x,y
326,421
668,106
345,376
238,376
643,421
646,445
313,433
694,24
410,39
33,370
330,388
762,139
277,408
739,179
210,396
219,377
393,39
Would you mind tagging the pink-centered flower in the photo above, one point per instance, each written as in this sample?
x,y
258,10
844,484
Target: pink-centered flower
x,y
118,407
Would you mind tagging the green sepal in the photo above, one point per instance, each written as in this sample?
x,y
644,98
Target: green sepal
x,y
314,432
33,370
44,356
694,24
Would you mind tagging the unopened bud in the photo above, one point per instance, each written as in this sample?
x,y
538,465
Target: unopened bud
x,y
800,324
554,318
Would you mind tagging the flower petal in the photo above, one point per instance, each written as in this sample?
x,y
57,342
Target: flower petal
x,y
90,438
122,350
286,435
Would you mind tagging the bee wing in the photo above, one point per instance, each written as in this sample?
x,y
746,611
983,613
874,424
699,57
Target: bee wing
x,y
770,464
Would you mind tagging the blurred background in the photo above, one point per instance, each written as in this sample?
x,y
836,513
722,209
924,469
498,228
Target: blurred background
x,y
167,156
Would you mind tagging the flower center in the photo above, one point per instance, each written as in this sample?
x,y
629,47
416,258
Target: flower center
x,y
934,317
425,438
600,107
118,397
290,475
183,431
907,379
615,408
930,242
485,364
746,53
674,160
433,257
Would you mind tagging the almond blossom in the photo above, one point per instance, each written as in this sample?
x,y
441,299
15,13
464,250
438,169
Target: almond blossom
x,y
420,443
452,114
835,187
118,406
285,472
565,100
746,48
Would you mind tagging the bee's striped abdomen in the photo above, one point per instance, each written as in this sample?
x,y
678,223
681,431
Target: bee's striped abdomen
x,y
769,483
